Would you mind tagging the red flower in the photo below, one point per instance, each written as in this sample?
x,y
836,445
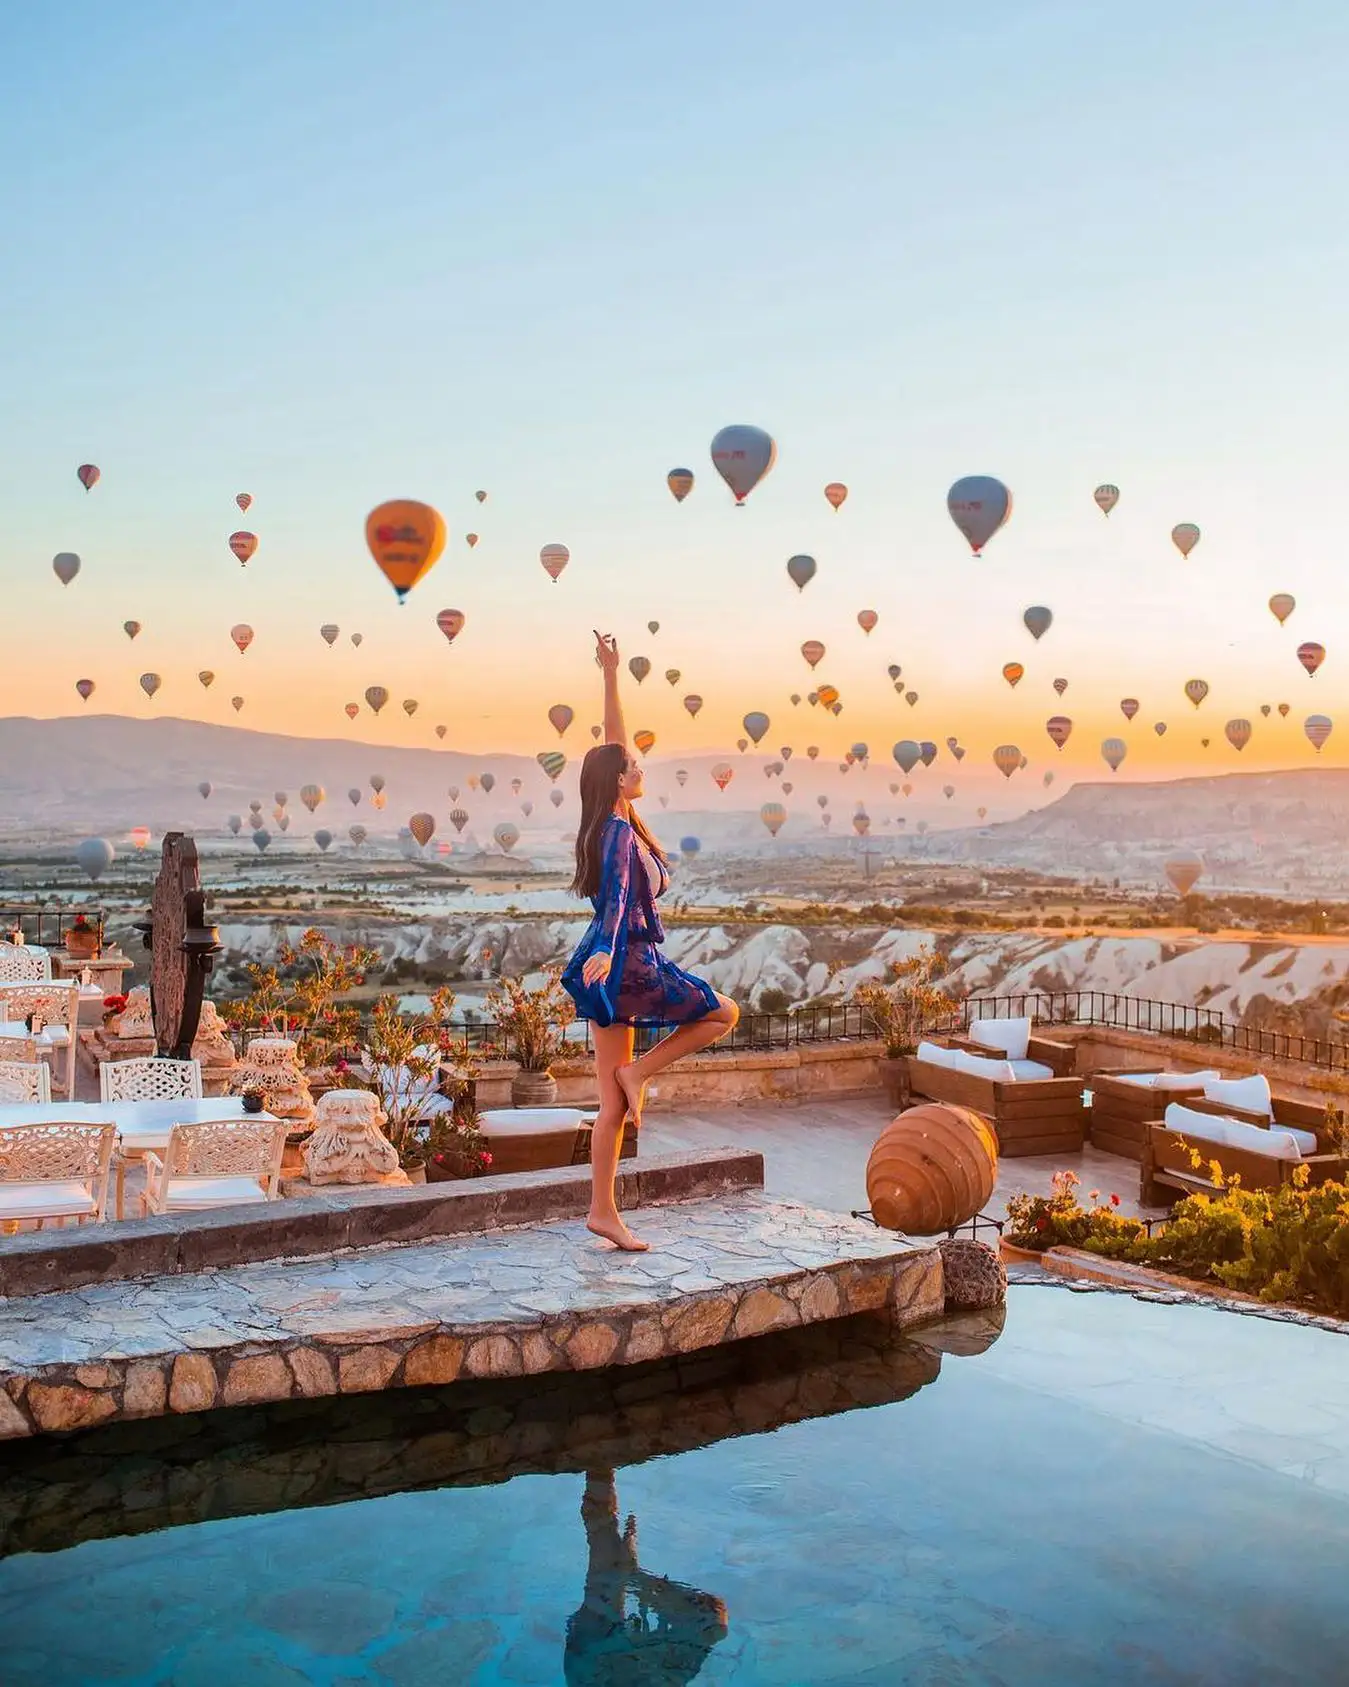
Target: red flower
x,y
1042,1224
486,1158
1114,1200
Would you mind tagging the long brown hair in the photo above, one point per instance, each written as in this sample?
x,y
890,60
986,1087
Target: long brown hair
x,y
600,773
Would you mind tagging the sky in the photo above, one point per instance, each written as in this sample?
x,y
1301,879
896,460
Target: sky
x,y
331,254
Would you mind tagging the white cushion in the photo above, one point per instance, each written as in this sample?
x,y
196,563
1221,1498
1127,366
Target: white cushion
x,y
528,1121
1165,1080
212,1192
45,1200
1306,1140
1232,1133
936,1055
981,1066
55,1036
1026,1069
1250,1094
1012,1036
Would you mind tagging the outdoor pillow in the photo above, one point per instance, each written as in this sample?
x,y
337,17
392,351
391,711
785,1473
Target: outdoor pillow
x,y
1027,1069
1165,1080
1202,1127
980,1066
936,1055
1250,1094
1277,1144
1012,1036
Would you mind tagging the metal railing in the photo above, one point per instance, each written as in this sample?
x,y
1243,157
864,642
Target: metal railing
x,y
758,1033
1115,1011
46,927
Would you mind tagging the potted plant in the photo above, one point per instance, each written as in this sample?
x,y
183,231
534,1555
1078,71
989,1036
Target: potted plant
x,y
900,1012
530,1024
113,1009
82,940
404,1054
455,1147
304,994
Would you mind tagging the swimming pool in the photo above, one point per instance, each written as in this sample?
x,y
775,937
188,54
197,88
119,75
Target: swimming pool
x,y
1112,1492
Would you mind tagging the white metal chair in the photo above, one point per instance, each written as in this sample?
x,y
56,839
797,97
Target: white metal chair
x,y
229,1162
23,963
149,1078
18,1048
58,1002
56,1171
25,1079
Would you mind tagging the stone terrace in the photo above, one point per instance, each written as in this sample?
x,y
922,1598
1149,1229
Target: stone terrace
x,y
504,1303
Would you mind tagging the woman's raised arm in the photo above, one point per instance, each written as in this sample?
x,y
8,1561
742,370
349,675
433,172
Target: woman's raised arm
x,y
606,654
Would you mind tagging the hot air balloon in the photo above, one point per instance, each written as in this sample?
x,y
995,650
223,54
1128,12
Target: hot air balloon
x,y
139,836
836,492
1113,752
507,835
552,762
828,696
867,619
204,789
722,774
94,856
470,539
979,505
742,456
451,623
1282,605
1283,710
894,670
242,634
378,801
1106,498
405,538
244,545
1318,728
1184,869
376,697
88,475
207,678
458,819
653,627
1238,733
1059,728
357,834
1012,672
1311,656
680,482
235,823
859,752
150,683
861,822
488,782
556,798
85,687
1049,778
645,741
689,847
423,828
1007,759
356,640
323,838
907,754
774,816
813,651
280,798
236,703
673,676
1265,710
681,777
1185,537
65,566
1038,620
801,571
1159,727
410,706
312,795
481,497
693,702
328,633
131,628
244,500
527,808
1060,685
927,752
561,716
377,782
261,839
639,667
755,723
554,559
441,731
351,710
595,732
1196,690
948,791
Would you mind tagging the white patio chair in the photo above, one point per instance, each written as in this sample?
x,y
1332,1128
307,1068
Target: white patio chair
x,y
149,1078
24,963
56,1171
58,1002
18,1048
229,1162
23,1080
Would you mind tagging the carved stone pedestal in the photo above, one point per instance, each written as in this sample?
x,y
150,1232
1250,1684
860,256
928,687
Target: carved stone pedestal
x,y
272,1065
348,1145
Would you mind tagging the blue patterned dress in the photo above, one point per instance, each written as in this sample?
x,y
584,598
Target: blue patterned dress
x,y
643,988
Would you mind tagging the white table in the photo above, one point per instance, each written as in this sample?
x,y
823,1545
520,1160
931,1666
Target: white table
x,y
142,1126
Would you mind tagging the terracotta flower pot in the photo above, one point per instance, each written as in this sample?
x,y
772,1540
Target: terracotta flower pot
x,y
423,1174
533,1089
895,1077
81,945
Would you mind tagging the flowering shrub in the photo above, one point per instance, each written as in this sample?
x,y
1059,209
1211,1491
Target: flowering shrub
x,y
901,1010
530,1022
403,1057
1060,1220
297,996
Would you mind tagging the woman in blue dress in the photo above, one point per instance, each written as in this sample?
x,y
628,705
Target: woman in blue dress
x,y
618,977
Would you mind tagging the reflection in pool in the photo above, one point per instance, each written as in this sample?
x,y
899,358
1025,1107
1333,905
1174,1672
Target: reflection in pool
x,y
1112,1492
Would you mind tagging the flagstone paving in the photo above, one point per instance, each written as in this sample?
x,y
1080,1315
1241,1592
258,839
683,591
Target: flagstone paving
x,y
509,1302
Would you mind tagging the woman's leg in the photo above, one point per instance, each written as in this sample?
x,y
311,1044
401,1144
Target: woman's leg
x,y
633,1077
613,1048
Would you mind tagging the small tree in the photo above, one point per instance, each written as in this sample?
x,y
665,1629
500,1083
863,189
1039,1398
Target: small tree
x,y
298,995
531,1023
902,1010
404,1054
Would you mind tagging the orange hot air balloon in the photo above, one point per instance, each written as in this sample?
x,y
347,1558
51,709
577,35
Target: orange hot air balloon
x,y
423,828
1238,733
242,636
867,619
836,492
405,538
1282,605
352,710
828,695
1012,672
244,545
451,623
680,482
1007,759
645,741
1059,728
813,651
140,836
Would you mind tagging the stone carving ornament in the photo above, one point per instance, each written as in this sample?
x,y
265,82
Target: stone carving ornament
x,y
272,1065
348,1144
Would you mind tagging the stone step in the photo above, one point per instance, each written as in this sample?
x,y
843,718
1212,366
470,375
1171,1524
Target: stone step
x,y
505,1303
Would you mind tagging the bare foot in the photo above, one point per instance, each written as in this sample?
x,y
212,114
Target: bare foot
x,y
634,1092
614,1230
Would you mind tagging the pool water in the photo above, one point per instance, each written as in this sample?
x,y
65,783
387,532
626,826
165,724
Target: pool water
x,y
1111,1492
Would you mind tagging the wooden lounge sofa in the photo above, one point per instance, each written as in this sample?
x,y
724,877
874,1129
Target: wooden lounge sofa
x,y
1263,1150
1016,1040
1031,1114
1125,1102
